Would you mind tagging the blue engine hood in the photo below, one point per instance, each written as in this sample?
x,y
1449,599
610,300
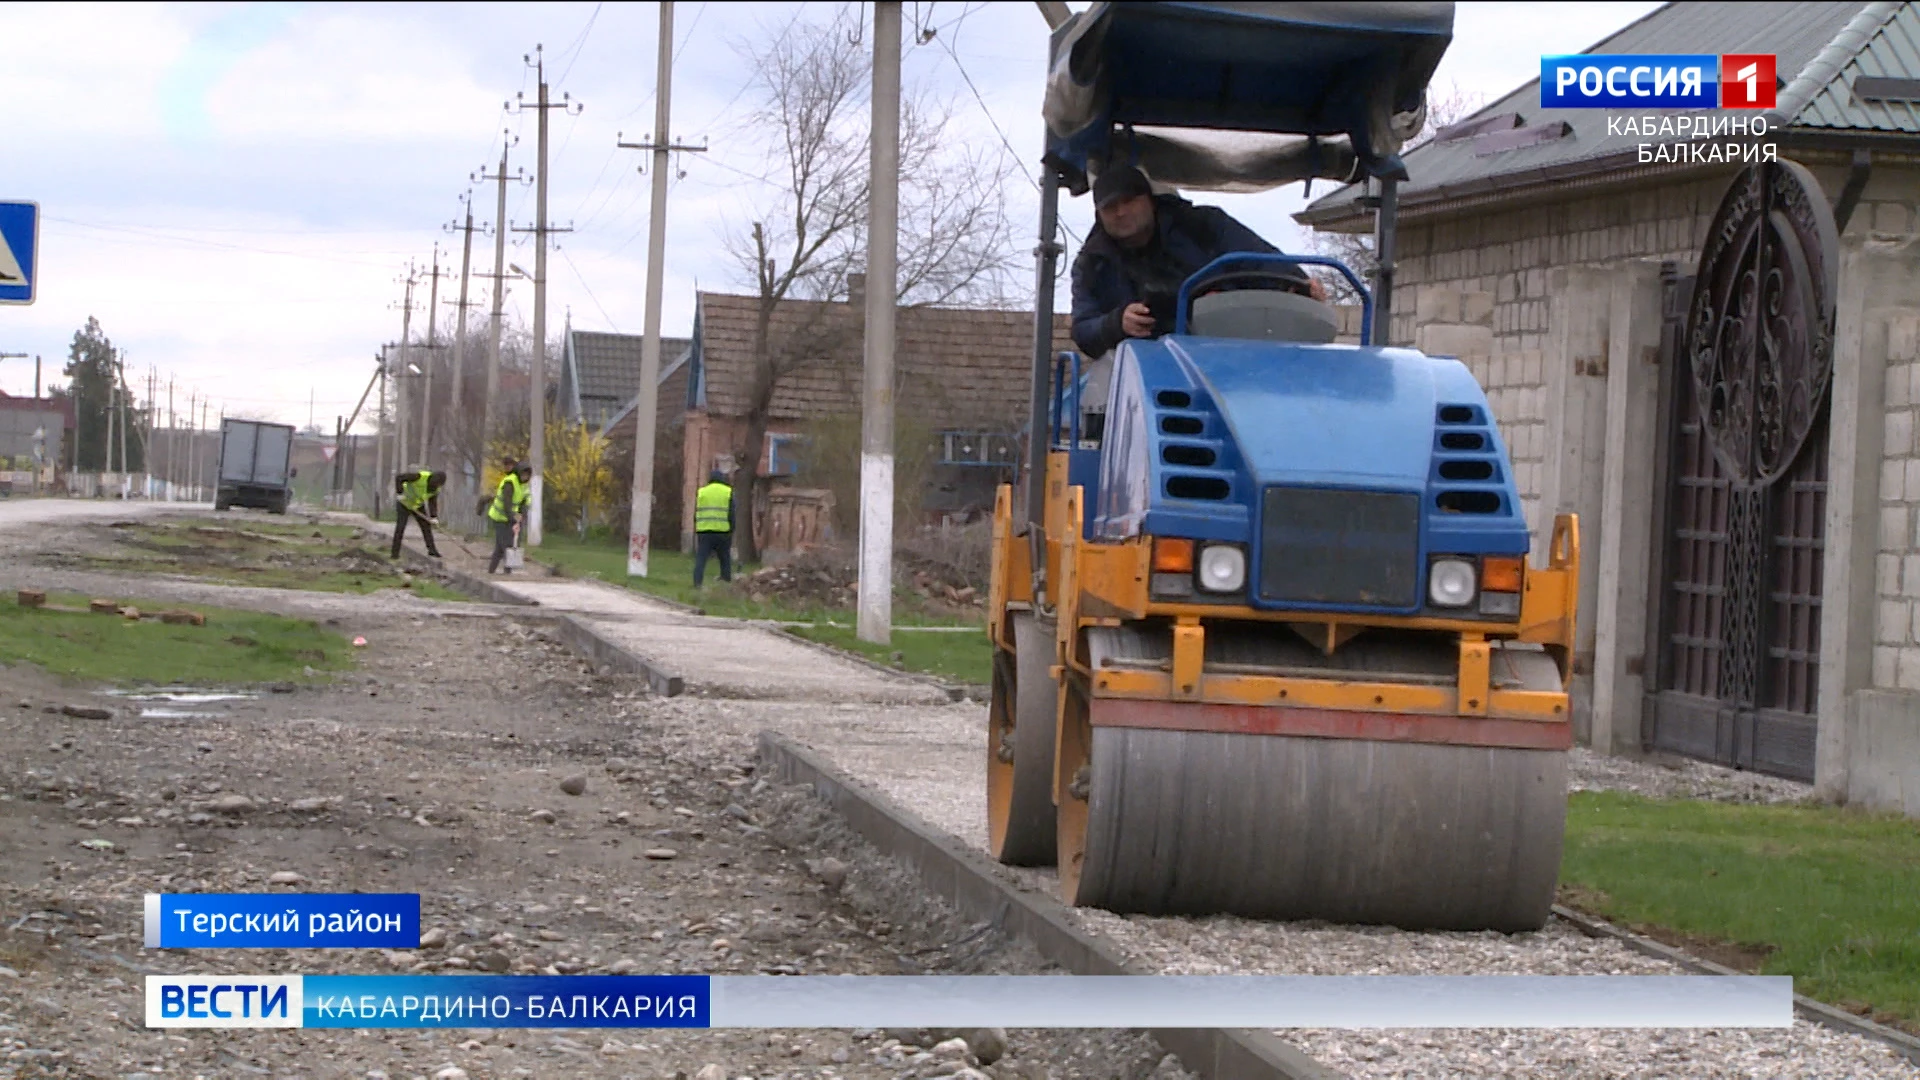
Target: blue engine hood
x,y
1361,418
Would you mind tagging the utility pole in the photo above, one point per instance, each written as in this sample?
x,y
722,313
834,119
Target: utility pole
x,y
400,389
173,443
876,413
458,408
106,450
120,384
201,457
640,525
186,464
380,434
499,277
153,410
433,346
537,436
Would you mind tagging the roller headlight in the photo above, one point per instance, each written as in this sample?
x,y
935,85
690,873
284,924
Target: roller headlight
x,y
1223,568
1450,583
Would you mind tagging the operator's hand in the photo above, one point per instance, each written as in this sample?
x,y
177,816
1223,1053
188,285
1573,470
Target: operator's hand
x,y
1316,290
1137,321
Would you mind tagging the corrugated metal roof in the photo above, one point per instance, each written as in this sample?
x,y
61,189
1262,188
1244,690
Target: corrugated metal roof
x,y
1893,51
1797,34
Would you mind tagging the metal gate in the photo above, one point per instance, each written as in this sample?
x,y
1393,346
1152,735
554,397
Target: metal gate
x,y
1748,357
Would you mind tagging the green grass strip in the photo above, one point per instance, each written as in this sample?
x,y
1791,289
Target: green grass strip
x,y
1831,896
234,648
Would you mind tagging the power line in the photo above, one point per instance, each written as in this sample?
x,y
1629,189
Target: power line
x,y
677,50
579,44
947,44
581,278
172,238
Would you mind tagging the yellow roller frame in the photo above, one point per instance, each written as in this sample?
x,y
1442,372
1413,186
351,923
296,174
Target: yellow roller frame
x,y
1095,584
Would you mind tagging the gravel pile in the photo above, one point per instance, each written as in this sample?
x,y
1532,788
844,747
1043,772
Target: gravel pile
x,y
937,772
1670,777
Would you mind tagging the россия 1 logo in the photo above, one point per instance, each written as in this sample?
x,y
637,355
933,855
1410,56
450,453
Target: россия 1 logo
x,y
1683,81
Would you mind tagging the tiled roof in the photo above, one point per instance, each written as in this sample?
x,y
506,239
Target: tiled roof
x,y
1821,49
958,367
608,365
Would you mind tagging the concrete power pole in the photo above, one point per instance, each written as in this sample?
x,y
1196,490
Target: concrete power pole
x,y
876,414
458,408
646,402
433,353
380,429
537,434
499,277
173,444
400,460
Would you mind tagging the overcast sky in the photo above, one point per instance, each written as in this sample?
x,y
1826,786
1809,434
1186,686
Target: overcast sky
x,y
235,190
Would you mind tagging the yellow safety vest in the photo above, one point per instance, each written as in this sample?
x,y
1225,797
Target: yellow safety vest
x,y
710,509
413,493
509,498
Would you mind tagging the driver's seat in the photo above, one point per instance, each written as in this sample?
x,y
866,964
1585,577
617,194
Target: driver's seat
x,y
1263,315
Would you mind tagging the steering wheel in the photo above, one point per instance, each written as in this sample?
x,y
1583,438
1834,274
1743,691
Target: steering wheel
x,y
1267,278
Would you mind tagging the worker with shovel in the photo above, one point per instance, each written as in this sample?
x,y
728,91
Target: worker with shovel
x,y
507,510
419,497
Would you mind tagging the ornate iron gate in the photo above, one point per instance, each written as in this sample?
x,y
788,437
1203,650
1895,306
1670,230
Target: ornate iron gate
x,y
1748,353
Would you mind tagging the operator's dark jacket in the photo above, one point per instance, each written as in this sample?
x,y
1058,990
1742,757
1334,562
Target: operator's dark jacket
x,y
1108,277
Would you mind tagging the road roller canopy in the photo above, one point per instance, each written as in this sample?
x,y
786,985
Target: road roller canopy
x,y
1241,96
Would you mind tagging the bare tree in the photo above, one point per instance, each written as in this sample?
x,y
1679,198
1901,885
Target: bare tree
x,y
1356,248
812,83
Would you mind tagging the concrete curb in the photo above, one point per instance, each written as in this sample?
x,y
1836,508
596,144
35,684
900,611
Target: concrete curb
x,y
965,879
572,630
583,638
1816,1012
954,691
468,583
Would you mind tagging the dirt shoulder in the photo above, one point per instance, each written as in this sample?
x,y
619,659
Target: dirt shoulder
x,y
436,767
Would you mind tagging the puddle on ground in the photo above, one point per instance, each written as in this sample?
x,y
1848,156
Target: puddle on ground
x,y
179,714
181,695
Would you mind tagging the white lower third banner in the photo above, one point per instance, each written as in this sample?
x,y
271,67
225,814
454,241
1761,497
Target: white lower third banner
x,y
1012,1001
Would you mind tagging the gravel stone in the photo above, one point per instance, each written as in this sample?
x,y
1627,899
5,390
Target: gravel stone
x,y
988,1045
1672,777
831,872
575,784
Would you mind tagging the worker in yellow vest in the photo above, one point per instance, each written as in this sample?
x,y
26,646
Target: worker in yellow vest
x,y
713,527
419,500
508,510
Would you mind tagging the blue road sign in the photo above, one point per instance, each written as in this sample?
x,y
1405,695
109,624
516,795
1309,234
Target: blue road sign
x,y
19,251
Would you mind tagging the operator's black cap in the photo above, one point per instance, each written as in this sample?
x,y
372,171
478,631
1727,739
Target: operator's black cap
x,y
1119,182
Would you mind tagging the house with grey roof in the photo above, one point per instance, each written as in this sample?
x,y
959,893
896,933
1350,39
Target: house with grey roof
x,y
1711,358
600,373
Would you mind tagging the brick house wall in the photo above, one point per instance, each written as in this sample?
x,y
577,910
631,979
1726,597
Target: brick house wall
x,y
1491,273
1896,650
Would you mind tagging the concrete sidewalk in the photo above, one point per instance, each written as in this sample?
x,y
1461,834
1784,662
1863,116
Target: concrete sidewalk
x,y
716,657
